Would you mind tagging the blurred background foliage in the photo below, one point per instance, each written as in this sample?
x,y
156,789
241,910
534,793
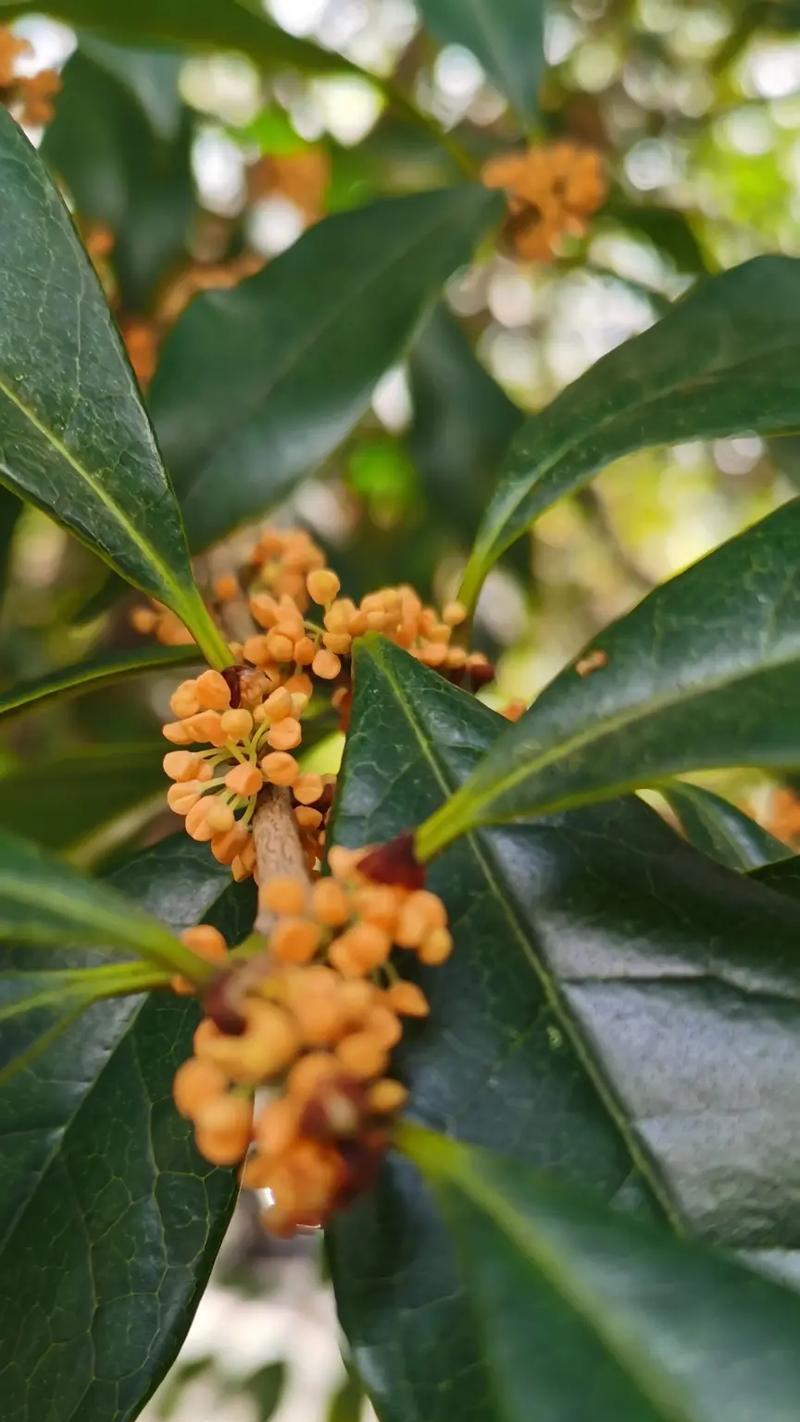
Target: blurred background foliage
x,y
189,173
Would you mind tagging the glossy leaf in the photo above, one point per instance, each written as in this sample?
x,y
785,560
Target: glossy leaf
x,y
720,362
783,876
507,36
580,1307
43,901
613,1001
109,1221
704,673
120,170
93,675
58,800
26,990
256,386
74,438
462,423
716,827
201,24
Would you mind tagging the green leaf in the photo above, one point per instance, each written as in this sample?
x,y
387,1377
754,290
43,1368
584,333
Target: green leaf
x,y
151,76
613,1001
201,24
721,362
109,1220
43,901
785,454
119,169
507,36
58,800
10,510
74,438
783,876
93,675
75,987
703,674
669,229
716,827
462,423
347,1405
577,1304
256,386
265,1388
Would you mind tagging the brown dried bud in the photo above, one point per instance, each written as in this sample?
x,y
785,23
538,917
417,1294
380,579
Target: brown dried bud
x,y
394,863
231,676
220,1003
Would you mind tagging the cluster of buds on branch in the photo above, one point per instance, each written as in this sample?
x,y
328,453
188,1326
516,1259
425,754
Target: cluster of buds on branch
x,y
29,97
289,1078
241,730
551,191
289,1073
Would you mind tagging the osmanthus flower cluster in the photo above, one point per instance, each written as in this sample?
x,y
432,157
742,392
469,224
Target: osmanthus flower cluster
x,y
551,192
289,1073
29,97
241,729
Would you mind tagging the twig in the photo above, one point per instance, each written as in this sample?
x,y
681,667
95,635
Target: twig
x,y
279,853
276,837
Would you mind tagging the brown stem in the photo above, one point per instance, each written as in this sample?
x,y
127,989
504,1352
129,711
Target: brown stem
x,y
279,853
235,614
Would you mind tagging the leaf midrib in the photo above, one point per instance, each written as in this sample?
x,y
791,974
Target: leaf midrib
x,y
494,38
598,1322
600,730
93,673
574,441
638,1160
99,918
148,552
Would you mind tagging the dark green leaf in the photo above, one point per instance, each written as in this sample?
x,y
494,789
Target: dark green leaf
x,y
718,828
579,1306
109,1221
721,362
93,675
10,510
258,385
265,1388
150,76
667,228
783,876
74,438
44,901
347,1404
202,24
462,423
614,1000
704,673
507,36
121,171
59,800
785,452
